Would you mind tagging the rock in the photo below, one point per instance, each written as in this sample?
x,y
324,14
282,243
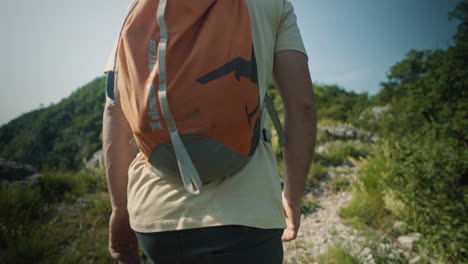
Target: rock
x,y
96,162
344,132
83,203
415,260
374,114
321,149
393,255
378,111
366,252
408,240
33,180
399,227
11,171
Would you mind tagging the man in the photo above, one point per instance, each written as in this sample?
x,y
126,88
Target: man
x,y
242,219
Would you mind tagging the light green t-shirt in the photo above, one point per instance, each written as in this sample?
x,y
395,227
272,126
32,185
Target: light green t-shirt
x,y
252,197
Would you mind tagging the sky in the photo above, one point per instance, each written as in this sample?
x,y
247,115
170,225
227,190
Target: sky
x,y
50,48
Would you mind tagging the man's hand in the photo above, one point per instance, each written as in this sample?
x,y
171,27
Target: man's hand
x,y
123,244
292,213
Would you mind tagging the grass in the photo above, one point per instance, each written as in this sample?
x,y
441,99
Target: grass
x,y
89,243
45,225
59,185
337,254
20,205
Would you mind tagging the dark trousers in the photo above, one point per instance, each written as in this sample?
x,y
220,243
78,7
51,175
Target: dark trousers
x,y
214,245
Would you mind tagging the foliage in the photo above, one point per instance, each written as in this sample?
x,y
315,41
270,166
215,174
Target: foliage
x,y
425,176
427,90
428,177
420,174
367,206
59,136
432,102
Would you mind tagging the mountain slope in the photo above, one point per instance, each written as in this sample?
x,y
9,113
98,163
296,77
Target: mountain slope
x,y
59,136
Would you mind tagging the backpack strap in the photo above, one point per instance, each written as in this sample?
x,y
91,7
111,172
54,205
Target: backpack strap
x,y
189,173
275,119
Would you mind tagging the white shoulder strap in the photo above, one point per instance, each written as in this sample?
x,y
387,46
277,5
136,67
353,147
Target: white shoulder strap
x,y
189,173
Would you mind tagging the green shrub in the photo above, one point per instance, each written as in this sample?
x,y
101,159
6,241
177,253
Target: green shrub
x,y
427,177
337,254
59,185
308,206
95,181
339,184
367,207
98,214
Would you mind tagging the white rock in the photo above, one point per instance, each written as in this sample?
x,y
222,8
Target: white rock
x,y
366,251
399,226
393,255
415,260
408,240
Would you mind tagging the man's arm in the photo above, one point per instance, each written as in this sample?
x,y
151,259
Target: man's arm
x,y
118,154
291,74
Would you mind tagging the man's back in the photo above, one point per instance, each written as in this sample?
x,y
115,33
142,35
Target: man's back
x,y
251,198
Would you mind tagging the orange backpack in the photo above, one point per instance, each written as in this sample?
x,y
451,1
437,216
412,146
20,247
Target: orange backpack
x,y
185,73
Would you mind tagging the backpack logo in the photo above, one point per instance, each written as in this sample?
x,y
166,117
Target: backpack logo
x,y
240,66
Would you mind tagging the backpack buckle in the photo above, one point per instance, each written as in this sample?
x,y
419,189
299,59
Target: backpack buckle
x,y
266,135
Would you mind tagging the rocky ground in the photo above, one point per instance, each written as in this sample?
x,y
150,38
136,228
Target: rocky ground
x,y
324,228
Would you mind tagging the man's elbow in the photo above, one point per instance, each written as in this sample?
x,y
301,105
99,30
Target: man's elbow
x,y
304,107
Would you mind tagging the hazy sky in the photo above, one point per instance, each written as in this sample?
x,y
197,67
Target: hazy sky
x,y
49,48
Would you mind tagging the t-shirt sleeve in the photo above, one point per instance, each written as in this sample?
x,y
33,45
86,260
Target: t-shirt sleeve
x,y
288,36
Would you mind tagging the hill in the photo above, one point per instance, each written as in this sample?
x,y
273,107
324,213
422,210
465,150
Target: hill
x,y
59,136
